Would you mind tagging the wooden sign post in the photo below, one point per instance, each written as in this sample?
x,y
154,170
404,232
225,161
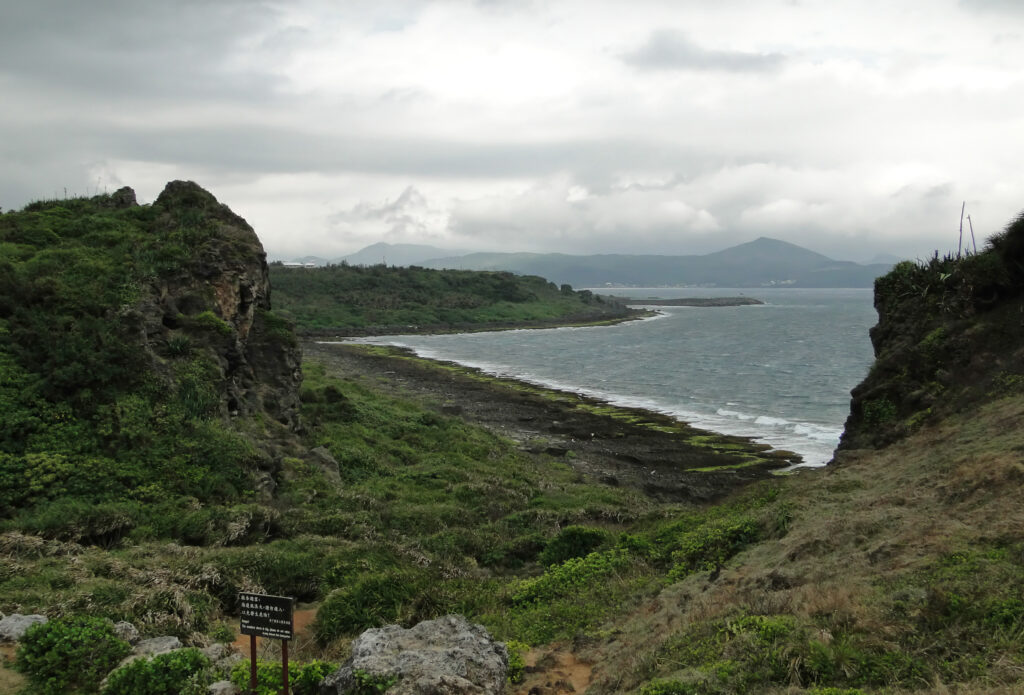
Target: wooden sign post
x,y
267,616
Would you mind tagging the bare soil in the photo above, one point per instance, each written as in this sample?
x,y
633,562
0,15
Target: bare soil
x,y
553,671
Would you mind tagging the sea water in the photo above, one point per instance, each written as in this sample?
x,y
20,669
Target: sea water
x,y
780,372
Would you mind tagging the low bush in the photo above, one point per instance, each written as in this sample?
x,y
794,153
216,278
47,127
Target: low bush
x,y
370,601
303,679
708,546
181,672
516,660
670,687
69,654
572,542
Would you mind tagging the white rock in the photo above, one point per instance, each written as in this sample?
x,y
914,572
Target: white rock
x,y
13,626
447,656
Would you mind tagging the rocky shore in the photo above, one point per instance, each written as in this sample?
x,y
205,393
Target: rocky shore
x,y
629,314
655,453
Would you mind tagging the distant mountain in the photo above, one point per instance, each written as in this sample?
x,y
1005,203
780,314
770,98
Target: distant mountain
x,y
763,262
395,254
315,260
889,258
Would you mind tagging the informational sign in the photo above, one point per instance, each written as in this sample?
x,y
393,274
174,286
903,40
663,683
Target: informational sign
x,y
267,616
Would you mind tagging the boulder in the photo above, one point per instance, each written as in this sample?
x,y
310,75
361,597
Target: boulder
x,y
223,688
321,458
157,645
447,656
128,632
222,656
14,626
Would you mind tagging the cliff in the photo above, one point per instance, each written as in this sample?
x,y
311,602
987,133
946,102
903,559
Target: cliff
x,y
142,363
950,336
225,275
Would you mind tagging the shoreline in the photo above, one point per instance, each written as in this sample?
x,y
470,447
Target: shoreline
x,y
450,328
615,445
703,302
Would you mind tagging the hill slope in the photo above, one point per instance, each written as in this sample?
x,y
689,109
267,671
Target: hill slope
x,y
900,565
356,300
383,253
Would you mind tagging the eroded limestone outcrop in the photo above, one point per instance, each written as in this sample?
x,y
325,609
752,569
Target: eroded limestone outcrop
x,y
446,656
214,297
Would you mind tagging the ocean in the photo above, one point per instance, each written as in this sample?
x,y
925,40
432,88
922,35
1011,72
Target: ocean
x,y
780,372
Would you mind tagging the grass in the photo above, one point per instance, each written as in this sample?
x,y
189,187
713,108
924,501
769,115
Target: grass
x,y
888,572
898,570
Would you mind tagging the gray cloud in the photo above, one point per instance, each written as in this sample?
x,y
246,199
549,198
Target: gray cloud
x,y
1009,6
259,148
672,50
119,48
524,129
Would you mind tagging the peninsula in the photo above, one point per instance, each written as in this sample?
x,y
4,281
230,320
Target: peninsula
x,y
689,301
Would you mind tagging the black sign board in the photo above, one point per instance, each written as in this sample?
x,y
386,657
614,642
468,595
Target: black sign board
x,y
266,616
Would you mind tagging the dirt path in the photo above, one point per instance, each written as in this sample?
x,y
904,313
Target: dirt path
x,y
302,621
616,446
553,671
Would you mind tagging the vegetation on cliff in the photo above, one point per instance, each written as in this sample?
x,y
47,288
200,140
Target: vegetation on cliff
x,y
949,336
128,336
378,299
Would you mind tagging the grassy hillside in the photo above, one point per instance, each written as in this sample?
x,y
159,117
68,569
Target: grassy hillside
x,y
358,299
894,571
151,471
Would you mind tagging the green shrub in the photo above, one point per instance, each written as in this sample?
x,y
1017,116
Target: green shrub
x,y
572,542
371,601
223,633
570,577
516,662
179,346
371,684
209,321
879,411
708,546
670,687
303,679
69,654
174,673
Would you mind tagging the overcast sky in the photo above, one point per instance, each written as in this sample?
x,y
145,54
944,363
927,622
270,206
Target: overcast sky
x,y
853,128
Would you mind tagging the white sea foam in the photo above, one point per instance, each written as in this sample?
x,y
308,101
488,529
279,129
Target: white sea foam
x,y
735,413
771,421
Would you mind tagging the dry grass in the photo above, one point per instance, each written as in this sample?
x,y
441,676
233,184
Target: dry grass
x,y
859,526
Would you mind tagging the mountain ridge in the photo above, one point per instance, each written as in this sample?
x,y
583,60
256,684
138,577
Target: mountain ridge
x,y
763,262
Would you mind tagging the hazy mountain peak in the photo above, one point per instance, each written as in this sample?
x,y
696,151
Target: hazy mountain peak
x,y
396,254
